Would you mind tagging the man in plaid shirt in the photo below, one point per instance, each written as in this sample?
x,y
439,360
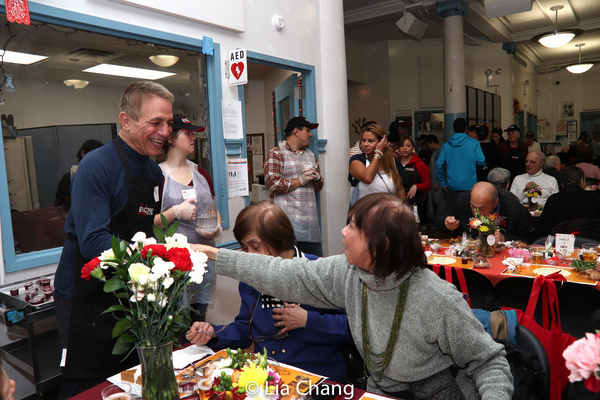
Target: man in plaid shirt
x,y
293,176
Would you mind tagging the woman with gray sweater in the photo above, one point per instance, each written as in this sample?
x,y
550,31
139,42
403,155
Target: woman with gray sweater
x,y
417,335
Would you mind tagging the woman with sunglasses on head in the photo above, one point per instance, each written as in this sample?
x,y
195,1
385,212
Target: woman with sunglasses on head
x,y
416,333
375,170
303,336
184,184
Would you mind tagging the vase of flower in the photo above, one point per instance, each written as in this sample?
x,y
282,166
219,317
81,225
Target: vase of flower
x,y
530,203
158,376
487,240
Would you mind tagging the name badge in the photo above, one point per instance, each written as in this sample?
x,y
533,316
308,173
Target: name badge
x,y
188,194
156,197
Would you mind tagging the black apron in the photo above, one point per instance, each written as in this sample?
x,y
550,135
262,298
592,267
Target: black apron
x,y
89,353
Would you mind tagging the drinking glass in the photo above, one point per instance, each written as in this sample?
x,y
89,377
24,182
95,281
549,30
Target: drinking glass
x,y
537,254
122,391
206,214
588,251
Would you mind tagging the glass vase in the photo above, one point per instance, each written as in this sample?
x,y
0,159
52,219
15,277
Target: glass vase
x,y
158,376
486,244
530,204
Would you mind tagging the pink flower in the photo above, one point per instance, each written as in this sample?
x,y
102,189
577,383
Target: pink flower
x,y
583,357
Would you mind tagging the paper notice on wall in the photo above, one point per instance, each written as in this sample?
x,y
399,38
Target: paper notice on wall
x,y
232,119
237,177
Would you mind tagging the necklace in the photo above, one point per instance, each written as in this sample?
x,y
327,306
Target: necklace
x,y
377,363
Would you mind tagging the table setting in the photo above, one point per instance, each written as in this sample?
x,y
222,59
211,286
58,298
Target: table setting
x,y
514,258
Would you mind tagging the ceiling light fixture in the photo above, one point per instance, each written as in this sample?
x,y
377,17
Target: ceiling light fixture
x,y
14,57
557,38
579,68
76,83
164,60
128,72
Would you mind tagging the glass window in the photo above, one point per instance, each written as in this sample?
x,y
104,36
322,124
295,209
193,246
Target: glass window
x,y
50,107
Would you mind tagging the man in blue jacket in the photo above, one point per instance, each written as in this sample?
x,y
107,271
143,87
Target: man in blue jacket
x,y
460,157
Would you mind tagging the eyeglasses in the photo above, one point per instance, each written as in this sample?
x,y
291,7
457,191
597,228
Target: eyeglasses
x,y
259,339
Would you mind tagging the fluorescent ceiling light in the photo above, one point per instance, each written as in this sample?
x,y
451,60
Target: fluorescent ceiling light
x,y
128,72
14,57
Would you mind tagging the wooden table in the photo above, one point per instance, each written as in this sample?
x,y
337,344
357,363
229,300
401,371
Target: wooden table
x,y
499,271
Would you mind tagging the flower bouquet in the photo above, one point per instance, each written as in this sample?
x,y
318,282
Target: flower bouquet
x,y
149,279
487,225
532,190
583,360
242,375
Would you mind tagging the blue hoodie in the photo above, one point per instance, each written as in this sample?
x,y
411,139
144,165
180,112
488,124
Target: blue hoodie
x,y
462,155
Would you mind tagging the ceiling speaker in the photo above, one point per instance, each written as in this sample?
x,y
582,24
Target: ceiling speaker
x,y
500,8
412,26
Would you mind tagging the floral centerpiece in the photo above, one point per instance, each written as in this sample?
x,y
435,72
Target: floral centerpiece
x,y
242,375
583,360
148,279
532,190
487,226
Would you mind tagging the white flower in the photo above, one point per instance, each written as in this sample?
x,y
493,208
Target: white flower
x,y
138,296
108,259
168,282
138,237
151,297
162,267
139,273
177,240
180,238
198,258
149,241
196,276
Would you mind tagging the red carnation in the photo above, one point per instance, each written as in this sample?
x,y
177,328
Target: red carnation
x,y
158,250
592,384
181,258
87,269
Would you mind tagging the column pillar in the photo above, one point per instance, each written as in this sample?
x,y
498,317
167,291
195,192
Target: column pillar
x,y
455,97
332,104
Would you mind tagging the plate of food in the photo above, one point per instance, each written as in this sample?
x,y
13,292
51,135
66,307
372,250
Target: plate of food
x,y
435,259
545,271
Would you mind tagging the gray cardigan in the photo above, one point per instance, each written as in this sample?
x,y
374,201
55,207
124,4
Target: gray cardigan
x,y
438,328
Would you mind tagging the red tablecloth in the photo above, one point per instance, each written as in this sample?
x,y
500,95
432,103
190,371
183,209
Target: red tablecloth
x,y
495,272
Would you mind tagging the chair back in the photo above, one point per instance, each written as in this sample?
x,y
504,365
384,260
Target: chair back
x,y
579,306
588,229
529,343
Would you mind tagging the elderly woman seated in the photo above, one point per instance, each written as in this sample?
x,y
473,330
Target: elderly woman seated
x,y
410,326
306,337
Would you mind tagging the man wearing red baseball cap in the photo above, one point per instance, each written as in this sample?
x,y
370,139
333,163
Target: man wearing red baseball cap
x,y
293,176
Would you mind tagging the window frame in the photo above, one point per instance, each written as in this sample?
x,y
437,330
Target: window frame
x,y
18,262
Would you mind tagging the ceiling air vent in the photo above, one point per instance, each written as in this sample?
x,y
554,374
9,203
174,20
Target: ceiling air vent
x,y
86,54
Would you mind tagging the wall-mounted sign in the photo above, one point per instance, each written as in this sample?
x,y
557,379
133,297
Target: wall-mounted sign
x,y
238,71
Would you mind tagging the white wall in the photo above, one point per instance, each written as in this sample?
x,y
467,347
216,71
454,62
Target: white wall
x,y
301,41
397,71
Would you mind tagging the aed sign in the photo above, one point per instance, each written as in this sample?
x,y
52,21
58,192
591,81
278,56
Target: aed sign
x,y
238,71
